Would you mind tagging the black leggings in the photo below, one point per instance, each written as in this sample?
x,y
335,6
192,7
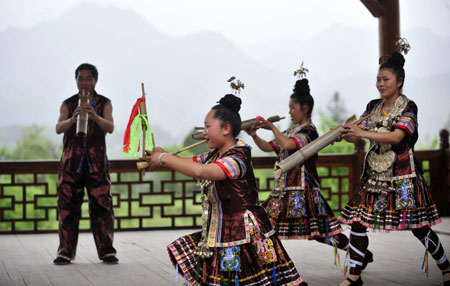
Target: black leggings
x,y
431,241
358,247
359,243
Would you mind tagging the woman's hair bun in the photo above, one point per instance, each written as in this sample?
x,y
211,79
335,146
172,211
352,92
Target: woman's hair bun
x,y
301,87
397,59
231,102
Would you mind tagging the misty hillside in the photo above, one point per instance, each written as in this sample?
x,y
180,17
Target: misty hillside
x,y
185,76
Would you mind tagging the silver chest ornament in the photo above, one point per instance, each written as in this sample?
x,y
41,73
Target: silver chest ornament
x,y
381,158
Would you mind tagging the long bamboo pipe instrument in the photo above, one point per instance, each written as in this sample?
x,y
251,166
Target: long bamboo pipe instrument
x,y
303,154
141,165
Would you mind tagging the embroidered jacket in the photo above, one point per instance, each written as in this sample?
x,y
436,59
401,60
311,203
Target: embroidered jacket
x,y
235,200
405,164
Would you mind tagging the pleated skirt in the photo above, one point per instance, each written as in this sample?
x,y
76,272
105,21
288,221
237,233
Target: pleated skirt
x,y
250,264
388,212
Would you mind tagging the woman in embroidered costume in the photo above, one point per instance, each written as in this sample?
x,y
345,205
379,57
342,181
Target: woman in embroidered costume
x,y
237,244
296,206
393,194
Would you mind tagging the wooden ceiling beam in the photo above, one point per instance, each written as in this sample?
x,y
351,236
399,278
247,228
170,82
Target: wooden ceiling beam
x,y
375,7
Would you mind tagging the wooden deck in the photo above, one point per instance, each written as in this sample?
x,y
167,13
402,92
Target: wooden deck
x,y
27,260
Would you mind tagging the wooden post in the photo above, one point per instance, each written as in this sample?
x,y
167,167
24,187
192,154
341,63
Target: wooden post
x,y
389,27
439,176
388,14
441,194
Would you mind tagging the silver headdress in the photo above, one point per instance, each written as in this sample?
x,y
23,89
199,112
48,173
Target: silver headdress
x,y
301,72
404,45
236,85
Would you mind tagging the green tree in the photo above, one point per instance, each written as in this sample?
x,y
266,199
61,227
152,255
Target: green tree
x,y
336,108
33,145
325,124
4,153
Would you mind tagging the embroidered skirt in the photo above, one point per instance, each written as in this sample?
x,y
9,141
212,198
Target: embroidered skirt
x,y
302,214
256,263
410,206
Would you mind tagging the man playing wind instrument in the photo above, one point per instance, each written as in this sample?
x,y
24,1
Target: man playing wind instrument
x,y
85,118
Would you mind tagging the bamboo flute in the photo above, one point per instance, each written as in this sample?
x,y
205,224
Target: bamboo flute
x,y
141,165
246,124
189,147
82,119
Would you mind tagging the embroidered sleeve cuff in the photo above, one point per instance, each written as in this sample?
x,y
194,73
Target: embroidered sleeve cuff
x,y
300,140
296,142
406,124
232,166
225,169
200,158
274,147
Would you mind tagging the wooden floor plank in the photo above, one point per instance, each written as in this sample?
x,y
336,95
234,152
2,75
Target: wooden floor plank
x,y
27,260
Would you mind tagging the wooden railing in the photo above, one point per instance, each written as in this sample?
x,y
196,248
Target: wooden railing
x,y
169,200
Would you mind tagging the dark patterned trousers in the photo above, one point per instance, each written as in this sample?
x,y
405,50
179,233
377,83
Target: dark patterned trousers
x,y
70,191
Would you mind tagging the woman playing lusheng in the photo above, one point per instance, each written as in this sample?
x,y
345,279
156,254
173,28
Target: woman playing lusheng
x,y
393,194
296,206
237,244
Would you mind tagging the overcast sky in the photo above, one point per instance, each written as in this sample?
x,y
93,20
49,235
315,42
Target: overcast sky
x,y
244,22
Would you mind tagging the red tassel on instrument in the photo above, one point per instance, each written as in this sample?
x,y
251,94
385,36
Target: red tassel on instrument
x,y
134,113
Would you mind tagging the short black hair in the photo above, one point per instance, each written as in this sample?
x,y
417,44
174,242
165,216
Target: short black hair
x,y
87,66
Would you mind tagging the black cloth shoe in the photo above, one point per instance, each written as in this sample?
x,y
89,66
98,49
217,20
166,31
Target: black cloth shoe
x,y
446,283
110,260
303,284
358,282
61,261
368,258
